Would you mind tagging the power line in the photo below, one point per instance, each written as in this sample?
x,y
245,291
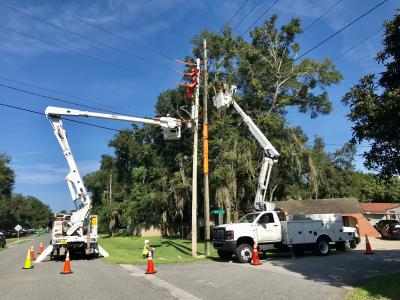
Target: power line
x,y
60,93
322,15
83,54
262,15
85,37
235,14
341,29
244,18
107,31
357,44
70,120
56,99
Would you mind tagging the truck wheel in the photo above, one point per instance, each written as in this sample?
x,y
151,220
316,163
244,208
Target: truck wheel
x,y
322,247
353,244
224,255
341,246
244,253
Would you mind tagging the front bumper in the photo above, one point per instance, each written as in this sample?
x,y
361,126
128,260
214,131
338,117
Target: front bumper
x,y
225,245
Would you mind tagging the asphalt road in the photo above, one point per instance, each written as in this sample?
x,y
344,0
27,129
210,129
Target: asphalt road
x,y
307,277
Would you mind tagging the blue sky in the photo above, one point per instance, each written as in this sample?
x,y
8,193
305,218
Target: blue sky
x,y
166,27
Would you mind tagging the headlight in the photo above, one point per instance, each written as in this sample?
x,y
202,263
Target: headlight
x,y
229,235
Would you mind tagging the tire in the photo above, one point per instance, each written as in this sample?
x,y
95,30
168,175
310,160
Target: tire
x,y
224,255
244,253
353,244
322,247
341,246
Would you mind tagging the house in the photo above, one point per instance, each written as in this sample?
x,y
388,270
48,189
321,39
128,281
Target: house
x,y
375,212
349,208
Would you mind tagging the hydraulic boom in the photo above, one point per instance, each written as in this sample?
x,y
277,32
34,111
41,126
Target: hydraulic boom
x,y
77,228
225,99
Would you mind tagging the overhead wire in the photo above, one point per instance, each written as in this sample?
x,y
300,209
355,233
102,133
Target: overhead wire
x,y
106,30
341,29
62,93
67,119
237,12
262,15
57,99
322,15
357,44
245,17
83,36
85,54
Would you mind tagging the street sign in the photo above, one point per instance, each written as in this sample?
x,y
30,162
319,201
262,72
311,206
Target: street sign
x,y
218,211
18,229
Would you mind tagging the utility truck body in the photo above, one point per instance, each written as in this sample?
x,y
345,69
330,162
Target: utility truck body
x,y
274,230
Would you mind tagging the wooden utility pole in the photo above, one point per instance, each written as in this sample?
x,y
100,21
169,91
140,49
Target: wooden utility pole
x,y
110,194
205,155
194,174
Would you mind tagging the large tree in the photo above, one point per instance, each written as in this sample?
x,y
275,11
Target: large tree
x,y
375,107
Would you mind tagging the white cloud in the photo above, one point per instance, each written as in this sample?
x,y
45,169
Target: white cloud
x,y
132,19
50,173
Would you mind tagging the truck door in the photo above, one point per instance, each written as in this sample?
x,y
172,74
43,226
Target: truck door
x,y
268,229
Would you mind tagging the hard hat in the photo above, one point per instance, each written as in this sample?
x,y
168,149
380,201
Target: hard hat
x,y
146,241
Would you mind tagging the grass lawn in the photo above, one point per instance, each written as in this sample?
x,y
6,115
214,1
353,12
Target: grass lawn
x,y
20,240
383,288
128,250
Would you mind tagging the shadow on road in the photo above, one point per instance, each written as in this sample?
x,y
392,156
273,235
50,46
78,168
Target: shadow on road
x,y
348,268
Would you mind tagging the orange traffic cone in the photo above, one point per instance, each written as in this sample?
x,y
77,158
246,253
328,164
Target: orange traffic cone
x,y
28,261
150,265
32,254
40,248
368,249
67,265
255,261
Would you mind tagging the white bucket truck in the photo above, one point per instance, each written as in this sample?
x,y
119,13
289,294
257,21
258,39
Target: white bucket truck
x,y
270,228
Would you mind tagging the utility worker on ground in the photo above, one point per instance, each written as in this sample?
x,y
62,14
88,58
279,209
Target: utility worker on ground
x,y
147,248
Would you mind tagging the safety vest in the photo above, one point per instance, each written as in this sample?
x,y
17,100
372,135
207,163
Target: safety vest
x,y
145,250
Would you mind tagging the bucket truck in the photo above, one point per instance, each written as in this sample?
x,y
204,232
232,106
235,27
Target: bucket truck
x,y
78,231
268,227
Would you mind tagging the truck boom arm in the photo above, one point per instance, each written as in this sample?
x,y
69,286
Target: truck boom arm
x,y
171,128
225,99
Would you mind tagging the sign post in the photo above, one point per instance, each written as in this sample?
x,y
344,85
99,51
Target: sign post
x,y
220,213
18,229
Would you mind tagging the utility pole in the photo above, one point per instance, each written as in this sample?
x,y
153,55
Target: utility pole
x,y
205,155
110,194
194,174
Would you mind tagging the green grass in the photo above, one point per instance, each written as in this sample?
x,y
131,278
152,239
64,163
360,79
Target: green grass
x,y
20,240
382,288
128,250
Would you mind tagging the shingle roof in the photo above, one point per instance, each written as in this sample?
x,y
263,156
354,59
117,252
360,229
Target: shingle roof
x,y
379,207
321,206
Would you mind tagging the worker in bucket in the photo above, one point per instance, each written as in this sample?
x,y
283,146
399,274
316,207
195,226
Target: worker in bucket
x,y
147,248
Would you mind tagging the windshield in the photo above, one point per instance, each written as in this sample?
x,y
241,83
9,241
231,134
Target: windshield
x,y
249,218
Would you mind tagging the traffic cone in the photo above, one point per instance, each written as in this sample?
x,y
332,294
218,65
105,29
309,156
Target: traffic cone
x,y
368,249
67,265
150,265
255,261
40,248
32,254
28,261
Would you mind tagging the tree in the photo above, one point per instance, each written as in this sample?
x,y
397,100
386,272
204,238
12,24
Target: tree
x,y
7,176
375,107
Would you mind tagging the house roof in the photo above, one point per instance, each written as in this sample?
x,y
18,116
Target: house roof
x,y
321,206
379,207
